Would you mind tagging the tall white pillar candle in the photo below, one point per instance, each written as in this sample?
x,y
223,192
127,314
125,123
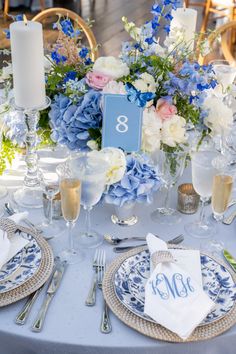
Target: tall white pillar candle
x,y
28,64
186,19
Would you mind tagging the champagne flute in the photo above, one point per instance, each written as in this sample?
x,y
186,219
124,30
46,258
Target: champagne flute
x,y
70,189
202,176
221,194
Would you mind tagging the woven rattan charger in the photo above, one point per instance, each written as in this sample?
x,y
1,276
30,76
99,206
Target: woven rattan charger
x,y
155,330
40,276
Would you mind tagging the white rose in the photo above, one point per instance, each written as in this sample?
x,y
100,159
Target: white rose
x,y
220,116
111,66
6,73
173,131
145,83
117,164
115,87
92,144
151,131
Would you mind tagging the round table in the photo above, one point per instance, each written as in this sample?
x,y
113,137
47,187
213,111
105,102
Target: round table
x,y
73,328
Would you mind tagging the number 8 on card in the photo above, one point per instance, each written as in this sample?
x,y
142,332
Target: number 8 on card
x,y
122,123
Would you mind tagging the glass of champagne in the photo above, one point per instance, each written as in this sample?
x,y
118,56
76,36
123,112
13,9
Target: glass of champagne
x,y
70,189
221,194
203,173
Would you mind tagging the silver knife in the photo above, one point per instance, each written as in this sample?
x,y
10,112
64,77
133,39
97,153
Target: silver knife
x,y
230,259
25,311
52,288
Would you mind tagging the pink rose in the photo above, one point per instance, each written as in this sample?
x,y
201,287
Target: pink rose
x,y
96,80
165,110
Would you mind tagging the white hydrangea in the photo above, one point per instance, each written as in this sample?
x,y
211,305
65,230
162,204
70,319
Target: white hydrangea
x,y
220,116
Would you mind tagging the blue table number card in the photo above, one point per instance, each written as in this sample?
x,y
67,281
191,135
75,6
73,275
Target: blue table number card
x,y
122,123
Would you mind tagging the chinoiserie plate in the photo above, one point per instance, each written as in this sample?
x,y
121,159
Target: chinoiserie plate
x,y
130,279
35,268
21,267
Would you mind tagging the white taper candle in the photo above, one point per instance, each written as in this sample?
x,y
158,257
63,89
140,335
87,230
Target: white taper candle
x,y
28,64
187,19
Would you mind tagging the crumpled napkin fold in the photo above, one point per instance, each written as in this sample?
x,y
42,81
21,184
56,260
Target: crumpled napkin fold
x,y
174,296
10,247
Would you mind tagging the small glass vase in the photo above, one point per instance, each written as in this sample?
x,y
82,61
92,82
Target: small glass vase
x,y
124,216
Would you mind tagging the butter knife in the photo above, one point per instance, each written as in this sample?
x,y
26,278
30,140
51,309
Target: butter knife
x,y
230,259
52,288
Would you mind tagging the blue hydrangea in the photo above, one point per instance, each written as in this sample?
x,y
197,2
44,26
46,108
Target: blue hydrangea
x,y
15,127
70,122
138,184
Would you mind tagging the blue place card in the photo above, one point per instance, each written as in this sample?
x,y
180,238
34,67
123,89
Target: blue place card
x,y
122,123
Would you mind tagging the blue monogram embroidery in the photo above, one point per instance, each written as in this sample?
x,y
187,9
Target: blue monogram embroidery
x,y
176,287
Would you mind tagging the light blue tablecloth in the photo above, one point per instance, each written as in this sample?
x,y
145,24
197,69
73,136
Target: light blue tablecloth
x,y
73,328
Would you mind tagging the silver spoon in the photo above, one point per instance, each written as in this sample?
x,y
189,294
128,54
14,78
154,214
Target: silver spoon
x,y
116,240
173,241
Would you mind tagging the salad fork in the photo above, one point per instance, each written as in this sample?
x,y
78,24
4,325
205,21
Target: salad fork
x,y
105,322
91,298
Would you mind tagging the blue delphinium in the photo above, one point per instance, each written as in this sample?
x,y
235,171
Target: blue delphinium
x,y
138,184
70,122
192,82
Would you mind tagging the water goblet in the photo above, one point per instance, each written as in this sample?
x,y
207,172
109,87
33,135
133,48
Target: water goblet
x,y
202,177
171,167
92,172
70,189
50,185
225,74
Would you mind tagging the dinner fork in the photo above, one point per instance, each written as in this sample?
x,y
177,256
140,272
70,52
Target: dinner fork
x,y
105,326
91,298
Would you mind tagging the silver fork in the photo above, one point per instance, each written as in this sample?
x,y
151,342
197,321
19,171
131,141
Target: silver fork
x,y
91,297
105,326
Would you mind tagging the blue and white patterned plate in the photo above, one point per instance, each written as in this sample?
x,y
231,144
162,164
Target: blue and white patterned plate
x,y
131,277
21,267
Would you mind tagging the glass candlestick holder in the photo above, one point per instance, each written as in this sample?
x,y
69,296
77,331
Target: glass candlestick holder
x,y
30,195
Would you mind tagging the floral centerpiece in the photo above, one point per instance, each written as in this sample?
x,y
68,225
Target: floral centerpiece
x,y
166,80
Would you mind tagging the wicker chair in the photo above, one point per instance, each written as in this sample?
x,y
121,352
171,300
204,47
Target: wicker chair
x,y
7,5
225,32
42,16
219,7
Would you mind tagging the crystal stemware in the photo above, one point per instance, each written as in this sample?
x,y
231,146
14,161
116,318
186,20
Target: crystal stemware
x,y
202,177
92,172
171,167
50,185
225,74
70,189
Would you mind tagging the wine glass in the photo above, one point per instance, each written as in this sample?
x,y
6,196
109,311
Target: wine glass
x,y
92,172
225,74
202,177
70,189
171,167
50,185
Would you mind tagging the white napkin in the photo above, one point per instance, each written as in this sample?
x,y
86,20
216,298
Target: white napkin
x,y
9,248
174,296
